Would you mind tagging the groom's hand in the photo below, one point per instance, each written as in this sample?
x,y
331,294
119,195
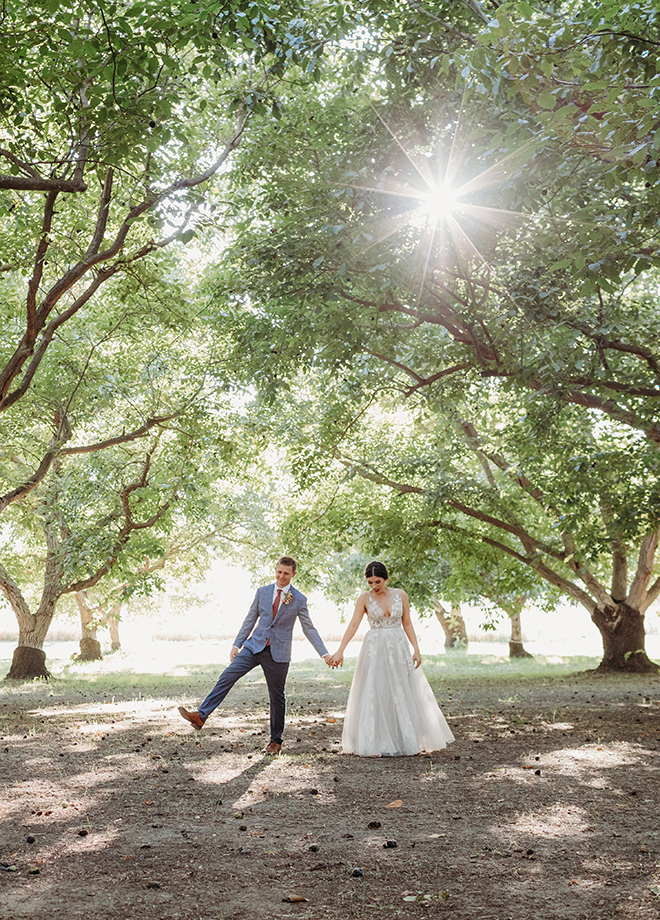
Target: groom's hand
x,y
234,652
328,659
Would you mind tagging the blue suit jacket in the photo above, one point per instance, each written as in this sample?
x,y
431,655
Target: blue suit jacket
x,y
259,625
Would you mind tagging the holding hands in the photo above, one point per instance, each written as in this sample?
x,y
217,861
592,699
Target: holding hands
x,y
335,661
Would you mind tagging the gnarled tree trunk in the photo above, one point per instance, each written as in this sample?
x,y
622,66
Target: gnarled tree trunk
x,y
453,626
622,630
27,664
29,659
90,647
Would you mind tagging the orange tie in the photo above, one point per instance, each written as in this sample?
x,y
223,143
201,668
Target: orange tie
x,y
276,604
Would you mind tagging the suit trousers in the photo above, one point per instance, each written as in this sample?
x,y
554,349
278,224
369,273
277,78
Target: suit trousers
x,y
275,673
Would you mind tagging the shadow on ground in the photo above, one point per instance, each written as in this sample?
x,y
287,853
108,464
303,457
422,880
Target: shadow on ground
x,y
546,805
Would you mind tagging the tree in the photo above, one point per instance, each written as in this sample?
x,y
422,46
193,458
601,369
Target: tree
x,y
440,302
107,503
453,626
113,127
86,535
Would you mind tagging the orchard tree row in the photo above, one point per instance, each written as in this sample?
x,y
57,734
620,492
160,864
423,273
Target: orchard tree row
x,y
408,255
458,253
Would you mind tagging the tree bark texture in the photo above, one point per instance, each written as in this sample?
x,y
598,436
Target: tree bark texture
x,y
453,626
90,647
622,631
27,664
29,658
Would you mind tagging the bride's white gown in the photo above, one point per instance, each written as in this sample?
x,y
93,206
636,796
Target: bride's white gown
x,y
391,709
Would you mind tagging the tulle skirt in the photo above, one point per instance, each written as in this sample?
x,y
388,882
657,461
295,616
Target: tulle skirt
x,y
391,709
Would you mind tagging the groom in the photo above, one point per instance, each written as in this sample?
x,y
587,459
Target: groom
x,y
265,639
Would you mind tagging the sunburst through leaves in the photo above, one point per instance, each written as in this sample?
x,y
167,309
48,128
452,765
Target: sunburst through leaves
x,y
446,213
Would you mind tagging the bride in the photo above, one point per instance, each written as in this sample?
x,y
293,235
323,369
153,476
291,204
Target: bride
x,y
391,709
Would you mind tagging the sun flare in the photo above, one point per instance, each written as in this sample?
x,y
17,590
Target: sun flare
x,y
447,207
439,202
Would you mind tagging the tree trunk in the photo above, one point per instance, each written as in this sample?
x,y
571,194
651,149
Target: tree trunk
x,y
27,664
90,647
29,659
516,647
453,626
112,621
622,631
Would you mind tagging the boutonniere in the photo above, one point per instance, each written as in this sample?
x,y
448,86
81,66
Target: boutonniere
x,y
287,598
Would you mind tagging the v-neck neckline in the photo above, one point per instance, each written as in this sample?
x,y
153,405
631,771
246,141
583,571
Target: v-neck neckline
x,y
386,615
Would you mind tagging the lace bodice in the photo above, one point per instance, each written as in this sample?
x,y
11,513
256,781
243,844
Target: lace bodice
x,y
378,619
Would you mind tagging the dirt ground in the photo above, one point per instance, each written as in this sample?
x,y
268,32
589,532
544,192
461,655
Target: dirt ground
x,y
546,806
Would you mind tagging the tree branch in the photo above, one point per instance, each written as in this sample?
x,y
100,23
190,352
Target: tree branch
x,y
534,562
488,362
475,443
25,167
30,184
102,217
124,534
599,592
122,438
448,371
637,594
619,570
37,318
26,487
47,336
26,619
516,530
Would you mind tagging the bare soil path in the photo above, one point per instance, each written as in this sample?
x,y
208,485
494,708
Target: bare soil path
x,y
547,805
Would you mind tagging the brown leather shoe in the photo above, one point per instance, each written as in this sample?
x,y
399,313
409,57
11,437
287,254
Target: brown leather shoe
x,y
272,748
193,717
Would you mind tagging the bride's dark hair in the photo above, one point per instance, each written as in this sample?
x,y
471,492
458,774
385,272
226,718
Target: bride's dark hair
x,y
376,570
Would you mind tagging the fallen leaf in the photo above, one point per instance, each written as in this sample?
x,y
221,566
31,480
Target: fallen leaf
x,y
330,720
294,899
396,804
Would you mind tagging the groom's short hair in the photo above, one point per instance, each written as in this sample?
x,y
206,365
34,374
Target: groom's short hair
x,y
288,561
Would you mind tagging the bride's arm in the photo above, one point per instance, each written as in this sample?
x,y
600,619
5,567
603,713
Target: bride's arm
x,y
338,658
409,630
